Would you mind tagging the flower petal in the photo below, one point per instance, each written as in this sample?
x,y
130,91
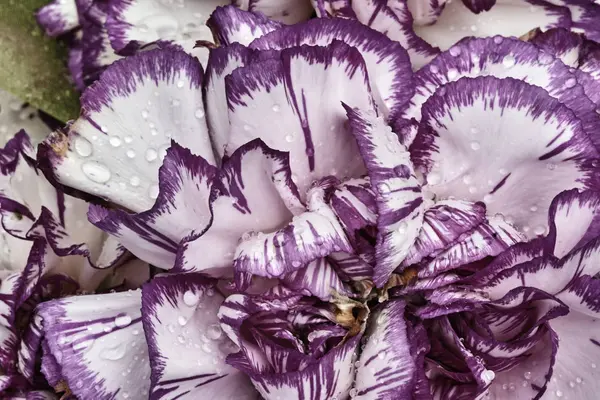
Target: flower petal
x,y
131,24
354,204
17,116
311,235
230,25
398,193
98,342
453,150
387,62
187,347
387,369
250,194
318,278
181,208
286,11
128,119
58,17
310,122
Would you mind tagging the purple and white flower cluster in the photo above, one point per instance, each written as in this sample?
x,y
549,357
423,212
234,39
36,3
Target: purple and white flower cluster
x,y
368,199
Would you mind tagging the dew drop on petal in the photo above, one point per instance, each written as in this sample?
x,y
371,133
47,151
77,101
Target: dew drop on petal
x,y
452,74
114,353
498,39
276,108
569,83
122,320
151,155
551,166
289,138
130,153
181,320
434,69
455,51
214,331
96,172
83,147
145,114
527,375
509,61
128,139
134,181
115,141
199,113
558,393
402,226
190,298
475,145
180,84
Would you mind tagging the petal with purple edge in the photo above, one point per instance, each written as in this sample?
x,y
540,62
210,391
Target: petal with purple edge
x,y
181,208
452,149
180,318
230,25
132,24
98,342
387,62
311,122
387,368
58,17
425,12
311,235
127,122
286,11
398,193
319,278
251,193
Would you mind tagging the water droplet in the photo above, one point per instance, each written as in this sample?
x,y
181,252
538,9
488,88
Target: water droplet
x,y
145,114
180,84
181,320
434,69
578,380
551,166
402,227
509,61
527,375
153,191
276,108
135,332
246,128
474,28
104,129
180,339
128,139
452,74
569,83
472,190
151,155
545,58
83,147
455,51
114,353
115,141
289,138
558,393
572,384
498,39
467,179
122,320
488,375
214,331
434,178
383,187
199,113
130,153
475,145
190,298
96,172
134,181
353,392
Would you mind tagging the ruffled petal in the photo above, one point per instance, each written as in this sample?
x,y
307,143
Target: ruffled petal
x,y
181,208
131,24
398,193
250,194
387,368
452,150
230,24
354,204
98,342
187,347
286,11
58,17
128,120
311,123
387,63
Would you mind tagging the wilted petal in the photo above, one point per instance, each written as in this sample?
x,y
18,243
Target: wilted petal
x,y
58,17
181,208
99,343
132,24
387,63
387,368
187,347
311,123
286,11
398,193
465,158
230,25
115,148
250,194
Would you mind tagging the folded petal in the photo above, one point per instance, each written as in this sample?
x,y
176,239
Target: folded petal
x,y
181,208
398,193
387,63
187,347
250,194
58,17
354,204
230,24
127,122
387,368
286,11
134,23
452,150
98,342
310,121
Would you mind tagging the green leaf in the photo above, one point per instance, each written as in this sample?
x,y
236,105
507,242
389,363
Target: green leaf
x,y
33,66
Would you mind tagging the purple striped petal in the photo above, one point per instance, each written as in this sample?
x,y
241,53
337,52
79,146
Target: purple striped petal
x,y
387,368
311,123
319,278
58,17
398,193
452,150
98,342
115,148
251,194
387,63
230,25
187,347
181,209
391,17
132,24
286,11
425,12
